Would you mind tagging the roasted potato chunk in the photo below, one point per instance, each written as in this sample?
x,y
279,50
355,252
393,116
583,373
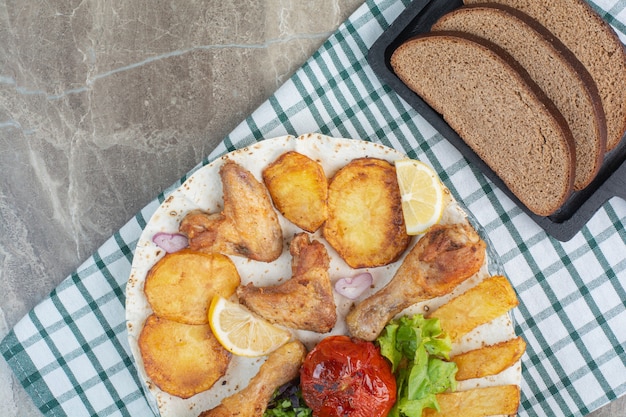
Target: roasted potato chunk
x,y
479,305
489,360
365,223
478,402
182,284
299,189
181,359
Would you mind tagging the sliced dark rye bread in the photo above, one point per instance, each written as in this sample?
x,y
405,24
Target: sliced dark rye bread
x,y
492,103
552,66
594,43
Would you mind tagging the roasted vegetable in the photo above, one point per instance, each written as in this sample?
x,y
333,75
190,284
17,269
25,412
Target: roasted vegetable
x,y
365,222
182,284
347,377
491,298
489,360
478,402
181,359
299,189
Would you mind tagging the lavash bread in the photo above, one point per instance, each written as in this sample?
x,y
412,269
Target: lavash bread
x,y
552,66
594,43
492,103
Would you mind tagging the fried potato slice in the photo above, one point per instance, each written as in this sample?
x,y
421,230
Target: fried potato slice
x,y
478,402
181,359
489,360
365,223
491,298
299,189
182,284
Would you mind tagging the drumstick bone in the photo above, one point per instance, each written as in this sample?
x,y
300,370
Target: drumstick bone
x,y
443,258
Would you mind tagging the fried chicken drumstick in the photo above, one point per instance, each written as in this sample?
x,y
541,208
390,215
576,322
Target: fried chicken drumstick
x,y
281,366
305,301
248,226
443,258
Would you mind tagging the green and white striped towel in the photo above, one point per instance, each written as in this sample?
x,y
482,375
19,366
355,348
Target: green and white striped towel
x,y
71,352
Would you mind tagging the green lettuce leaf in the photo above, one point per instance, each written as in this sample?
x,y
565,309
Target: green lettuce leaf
x,y
418,350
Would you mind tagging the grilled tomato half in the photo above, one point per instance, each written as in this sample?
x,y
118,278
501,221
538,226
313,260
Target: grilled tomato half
x,y
343,376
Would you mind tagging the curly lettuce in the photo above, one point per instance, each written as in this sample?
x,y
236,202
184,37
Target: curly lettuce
x,y
418,350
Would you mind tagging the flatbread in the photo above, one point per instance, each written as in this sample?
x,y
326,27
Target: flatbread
x,y
203,190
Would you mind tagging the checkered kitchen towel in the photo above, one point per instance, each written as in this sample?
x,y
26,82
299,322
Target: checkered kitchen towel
x,y
71,352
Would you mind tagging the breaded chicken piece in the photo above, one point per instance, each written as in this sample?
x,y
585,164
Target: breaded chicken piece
x,y
281,366
248,226
305,301
443,258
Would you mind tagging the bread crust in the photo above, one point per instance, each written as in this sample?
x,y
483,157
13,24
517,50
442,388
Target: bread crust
x,y
594,43
541,192
549,63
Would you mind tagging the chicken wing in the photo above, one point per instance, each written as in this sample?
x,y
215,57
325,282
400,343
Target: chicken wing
x,y
281,366
443,258
248,226
305,301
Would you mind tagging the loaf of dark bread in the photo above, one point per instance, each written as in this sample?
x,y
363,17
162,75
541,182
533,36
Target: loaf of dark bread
x,y
492,103
552,66
594,43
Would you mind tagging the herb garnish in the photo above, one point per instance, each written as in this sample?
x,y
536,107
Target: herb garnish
x,y
287,402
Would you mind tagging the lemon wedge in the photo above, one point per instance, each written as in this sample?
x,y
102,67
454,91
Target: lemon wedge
x,y
422,195
243,333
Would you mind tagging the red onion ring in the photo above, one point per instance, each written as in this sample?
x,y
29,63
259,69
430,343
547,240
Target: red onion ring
x,y
170,242
352,287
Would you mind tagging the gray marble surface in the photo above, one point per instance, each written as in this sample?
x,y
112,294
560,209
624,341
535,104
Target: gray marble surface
x,y
103,104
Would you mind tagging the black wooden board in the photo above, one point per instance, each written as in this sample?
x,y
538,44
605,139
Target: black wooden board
x,y
610,182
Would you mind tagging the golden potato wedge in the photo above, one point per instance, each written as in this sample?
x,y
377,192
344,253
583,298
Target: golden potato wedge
x,y
182,284
299,189
489,360
365,223
478,402
181,359
490,299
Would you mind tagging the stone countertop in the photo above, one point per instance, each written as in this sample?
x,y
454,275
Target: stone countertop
x,y
104,104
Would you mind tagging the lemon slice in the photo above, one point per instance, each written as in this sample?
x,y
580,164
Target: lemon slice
x,y
243,333
422,195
